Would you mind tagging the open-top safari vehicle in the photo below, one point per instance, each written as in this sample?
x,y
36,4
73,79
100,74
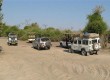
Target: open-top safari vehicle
x,y
68,39
31,37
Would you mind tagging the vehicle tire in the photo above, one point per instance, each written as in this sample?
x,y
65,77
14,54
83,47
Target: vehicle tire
x,y
1,48
83,52
61,45
38,47
17,44
30,41
33,47
91,53
9,44
49,47
46,48
95,53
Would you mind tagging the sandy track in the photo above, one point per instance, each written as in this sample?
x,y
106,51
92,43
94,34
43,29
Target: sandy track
x,y
22,62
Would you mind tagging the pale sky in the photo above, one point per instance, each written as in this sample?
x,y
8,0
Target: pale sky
x,y
62,14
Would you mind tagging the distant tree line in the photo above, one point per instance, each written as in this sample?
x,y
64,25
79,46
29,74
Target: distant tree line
x,y
53,33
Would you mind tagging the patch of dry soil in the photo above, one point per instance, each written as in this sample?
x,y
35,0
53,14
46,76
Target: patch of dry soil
x,y
22,62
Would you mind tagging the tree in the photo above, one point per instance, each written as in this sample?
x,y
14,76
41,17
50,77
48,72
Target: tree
x,y
12,29
1,16
33,25
96,23
4,29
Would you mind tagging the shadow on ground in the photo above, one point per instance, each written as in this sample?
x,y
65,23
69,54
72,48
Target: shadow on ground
x,y
74,52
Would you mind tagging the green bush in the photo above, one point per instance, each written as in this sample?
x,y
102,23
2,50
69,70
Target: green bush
x,y
52,33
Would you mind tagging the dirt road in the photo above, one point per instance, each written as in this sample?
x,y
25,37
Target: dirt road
x,y
22,62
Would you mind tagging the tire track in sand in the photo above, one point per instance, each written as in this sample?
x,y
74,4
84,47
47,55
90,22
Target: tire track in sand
x,y
78,71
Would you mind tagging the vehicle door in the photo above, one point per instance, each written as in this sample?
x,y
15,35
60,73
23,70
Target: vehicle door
x,y
79,45
75,45
85,45
64,42
38,42
35,42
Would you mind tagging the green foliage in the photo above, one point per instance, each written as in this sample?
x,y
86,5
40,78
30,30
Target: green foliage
x,y
108,32
4,30
96,23
22,35
108,35
12,29
1,17
32,26
1,1
67,31
52,33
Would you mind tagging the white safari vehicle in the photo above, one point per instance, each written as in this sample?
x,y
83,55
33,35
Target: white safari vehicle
x,y
89,43
31,37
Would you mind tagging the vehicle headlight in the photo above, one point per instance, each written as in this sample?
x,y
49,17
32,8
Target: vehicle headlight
x,y
9,39
15,39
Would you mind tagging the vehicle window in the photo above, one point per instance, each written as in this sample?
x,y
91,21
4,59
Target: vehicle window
x,y
90,42
85,42
38,40
79,41
44,39
12,35
94,41
99,41
75,42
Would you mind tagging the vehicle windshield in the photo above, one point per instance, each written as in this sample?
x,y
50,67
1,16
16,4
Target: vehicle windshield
x,y
85,42
13,36
94,41
44,39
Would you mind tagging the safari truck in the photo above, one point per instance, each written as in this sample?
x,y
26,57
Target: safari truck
x,y
88,43
66,40
31,37
12,39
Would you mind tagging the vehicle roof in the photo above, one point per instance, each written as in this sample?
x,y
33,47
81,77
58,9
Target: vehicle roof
x,y
78,38
12,34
